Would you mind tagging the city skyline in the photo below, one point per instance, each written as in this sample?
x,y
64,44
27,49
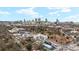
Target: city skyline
x,y
29,13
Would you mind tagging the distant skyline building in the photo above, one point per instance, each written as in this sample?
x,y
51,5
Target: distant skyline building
x,y
57,21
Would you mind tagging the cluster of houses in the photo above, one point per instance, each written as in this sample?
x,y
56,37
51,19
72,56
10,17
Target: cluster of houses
x,y
70,33
73,33
22,34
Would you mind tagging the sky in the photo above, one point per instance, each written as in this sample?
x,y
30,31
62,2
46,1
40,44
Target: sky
x,y
29,13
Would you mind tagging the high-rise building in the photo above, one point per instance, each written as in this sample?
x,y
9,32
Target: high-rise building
x,y
57,22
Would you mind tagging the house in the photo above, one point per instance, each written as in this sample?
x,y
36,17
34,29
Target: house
x,y
23,35
27,35
40,37
15,29
77,39
74,31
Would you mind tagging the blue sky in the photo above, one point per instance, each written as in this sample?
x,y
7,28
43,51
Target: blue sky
x,y
29,13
